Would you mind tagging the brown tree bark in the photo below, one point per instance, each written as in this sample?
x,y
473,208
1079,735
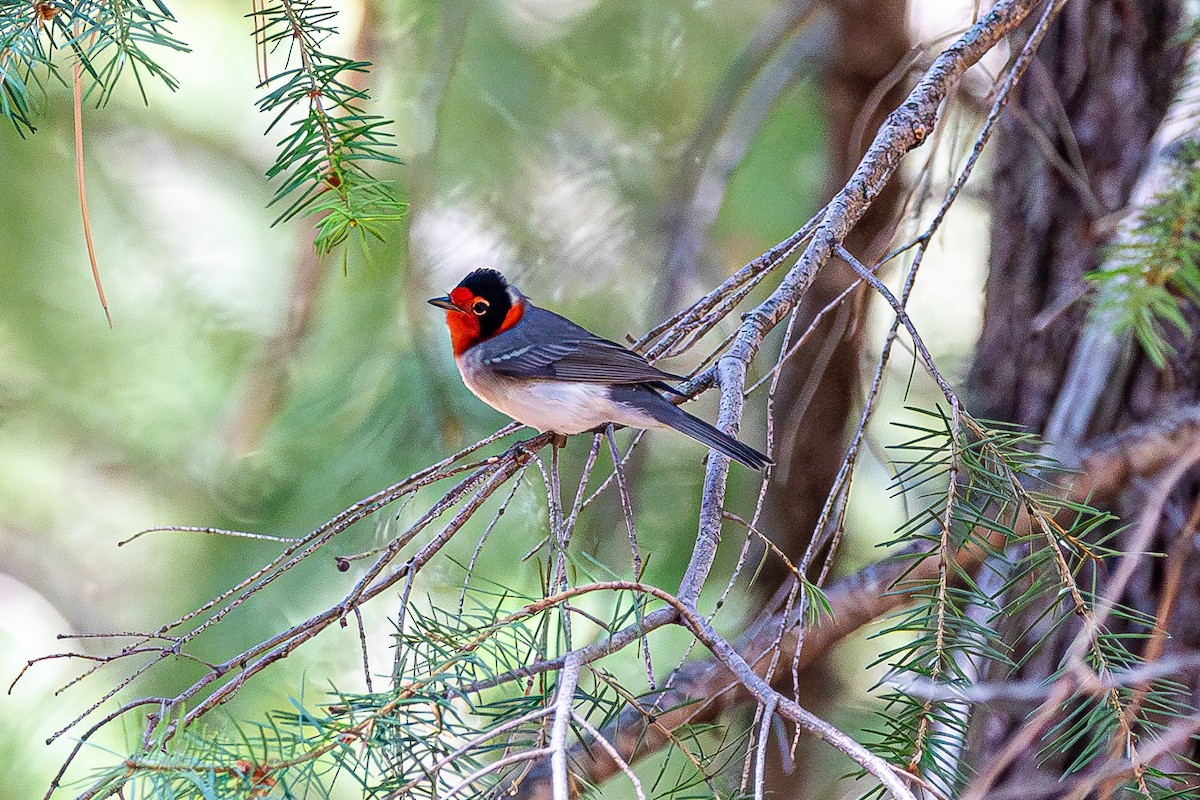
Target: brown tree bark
x,y
1068,152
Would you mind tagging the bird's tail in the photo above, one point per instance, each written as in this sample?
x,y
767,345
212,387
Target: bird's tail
x,y
701,431
670,414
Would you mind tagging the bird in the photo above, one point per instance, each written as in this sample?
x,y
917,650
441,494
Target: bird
x,y
546,372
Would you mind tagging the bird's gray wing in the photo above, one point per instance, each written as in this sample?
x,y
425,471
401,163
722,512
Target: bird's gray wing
x,y
545,345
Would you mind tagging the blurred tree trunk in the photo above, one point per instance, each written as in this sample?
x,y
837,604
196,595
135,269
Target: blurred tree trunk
x,y
818,388
1068,152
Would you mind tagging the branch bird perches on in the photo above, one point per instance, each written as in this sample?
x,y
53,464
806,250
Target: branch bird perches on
x,y
478,478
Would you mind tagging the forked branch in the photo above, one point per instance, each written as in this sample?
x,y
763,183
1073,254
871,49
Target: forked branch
x,y
477,479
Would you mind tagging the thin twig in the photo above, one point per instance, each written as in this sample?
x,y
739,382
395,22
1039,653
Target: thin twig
x,y
563,702
1038,691
471,744
760,755
635,553
582,722
498,764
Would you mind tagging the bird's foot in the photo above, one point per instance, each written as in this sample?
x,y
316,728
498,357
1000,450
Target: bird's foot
x,y
604,428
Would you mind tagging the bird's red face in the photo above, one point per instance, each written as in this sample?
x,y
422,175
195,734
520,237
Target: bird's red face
x,y
479,308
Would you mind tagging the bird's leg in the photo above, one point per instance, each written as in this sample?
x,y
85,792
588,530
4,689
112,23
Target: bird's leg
x,y
606,427
558,440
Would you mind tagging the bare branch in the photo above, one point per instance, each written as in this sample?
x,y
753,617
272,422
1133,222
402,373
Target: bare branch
x,y
568,676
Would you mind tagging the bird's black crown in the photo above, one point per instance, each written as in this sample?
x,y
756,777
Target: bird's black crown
x,y
492,287
486,283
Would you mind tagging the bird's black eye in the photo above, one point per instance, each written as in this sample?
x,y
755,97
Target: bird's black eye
x,y
480,306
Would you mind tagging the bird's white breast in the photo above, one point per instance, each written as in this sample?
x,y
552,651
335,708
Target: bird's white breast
x,y
549,405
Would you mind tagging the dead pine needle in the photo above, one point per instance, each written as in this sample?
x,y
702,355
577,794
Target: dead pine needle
x,y
77,81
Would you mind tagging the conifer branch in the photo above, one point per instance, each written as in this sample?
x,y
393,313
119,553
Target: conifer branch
x,y
324,160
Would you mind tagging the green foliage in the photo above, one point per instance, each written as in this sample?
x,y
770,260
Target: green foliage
x,y
322,159
988,488
1157,266
103,37
436,728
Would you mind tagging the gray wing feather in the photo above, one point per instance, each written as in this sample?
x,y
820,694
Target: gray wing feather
x,y
565,351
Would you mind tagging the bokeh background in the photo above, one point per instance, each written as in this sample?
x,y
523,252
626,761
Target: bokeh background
x,y
246,385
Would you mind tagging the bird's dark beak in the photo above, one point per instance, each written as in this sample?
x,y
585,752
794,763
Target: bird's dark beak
x,y
444,302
